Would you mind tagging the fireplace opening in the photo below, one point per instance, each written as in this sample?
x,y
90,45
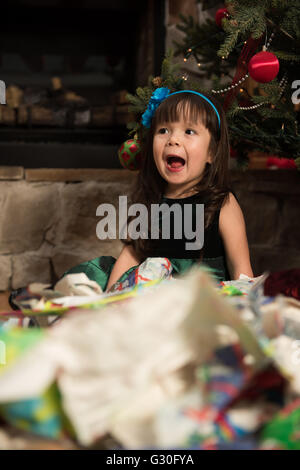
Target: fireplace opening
x,y
67,66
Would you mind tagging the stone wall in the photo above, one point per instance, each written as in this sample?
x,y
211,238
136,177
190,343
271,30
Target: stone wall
x,y
48,219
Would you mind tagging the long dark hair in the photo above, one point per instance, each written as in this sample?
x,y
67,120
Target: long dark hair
x,y
214,185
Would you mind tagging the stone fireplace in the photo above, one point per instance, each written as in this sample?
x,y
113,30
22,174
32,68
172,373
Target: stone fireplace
x,y
60,133
67,66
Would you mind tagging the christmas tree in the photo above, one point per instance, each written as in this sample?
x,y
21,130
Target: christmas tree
x,y
250,54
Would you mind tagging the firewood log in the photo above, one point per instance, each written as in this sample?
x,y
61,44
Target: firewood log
x,y
7,115
102,116
14,96
119,97
22,117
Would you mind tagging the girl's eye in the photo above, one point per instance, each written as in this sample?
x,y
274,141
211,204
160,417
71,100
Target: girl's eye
x,y
162,130
190,131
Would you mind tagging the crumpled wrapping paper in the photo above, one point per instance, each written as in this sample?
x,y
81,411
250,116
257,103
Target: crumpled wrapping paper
x,y
151,269
115,368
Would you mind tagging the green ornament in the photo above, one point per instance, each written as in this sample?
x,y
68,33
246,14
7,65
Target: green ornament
x,y
130,154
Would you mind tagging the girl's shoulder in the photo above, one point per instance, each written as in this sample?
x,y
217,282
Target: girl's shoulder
x,y
231,214
230,200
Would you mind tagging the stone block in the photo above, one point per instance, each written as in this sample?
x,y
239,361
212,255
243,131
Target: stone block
x,y
76,174
28,267
11,172
78,221
27,211
64,259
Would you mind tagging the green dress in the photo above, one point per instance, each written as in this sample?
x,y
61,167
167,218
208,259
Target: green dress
x,y
99,269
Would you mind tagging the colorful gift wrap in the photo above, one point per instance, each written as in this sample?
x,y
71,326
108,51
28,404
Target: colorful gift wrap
x,y
58,307
15,342
230,290
237,400
283,431
42,415
149,274
231,378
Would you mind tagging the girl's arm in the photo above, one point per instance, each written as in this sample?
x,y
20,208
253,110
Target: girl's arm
x,y
233,232
127,259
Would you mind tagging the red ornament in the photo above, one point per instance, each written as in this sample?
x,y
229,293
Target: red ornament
x,y
282,163
130,154
221,13
263,67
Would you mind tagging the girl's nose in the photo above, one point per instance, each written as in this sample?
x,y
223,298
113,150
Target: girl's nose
x,y
173,139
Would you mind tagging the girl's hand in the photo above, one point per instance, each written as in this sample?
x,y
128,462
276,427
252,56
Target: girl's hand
x,y
127,259
233,232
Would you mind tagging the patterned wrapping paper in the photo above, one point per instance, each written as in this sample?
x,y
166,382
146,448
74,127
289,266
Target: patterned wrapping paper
x,y
151,355
236,400
37,299
41,414
235,403
283,431
13,319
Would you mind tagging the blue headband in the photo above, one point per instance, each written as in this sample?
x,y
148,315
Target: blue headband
x,y
159,95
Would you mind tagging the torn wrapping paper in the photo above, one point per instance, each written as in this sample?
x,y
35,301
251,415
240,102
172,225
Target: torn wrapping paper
x,y
241,286
214,367
283,431
68,293
116,369
77,289
276,324
229,403
10,320
40,414
39,297
151,269
77,284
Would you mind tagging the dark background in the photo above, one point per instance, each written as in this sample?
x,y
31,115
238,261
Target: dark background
x,y
97,48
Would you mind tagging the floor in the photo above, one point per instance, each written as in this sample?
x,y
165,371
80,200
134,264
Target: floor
x,y
4,305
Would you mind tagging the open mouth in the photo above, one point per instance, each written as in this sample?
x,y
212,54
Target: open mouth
x,y
175,163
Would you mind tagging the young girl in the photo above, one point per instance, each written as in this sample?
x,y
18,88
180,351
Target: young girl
x,y
185,161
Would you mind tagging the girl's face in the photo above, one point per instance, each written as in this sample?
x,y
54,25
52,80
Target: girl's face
x,y
180,151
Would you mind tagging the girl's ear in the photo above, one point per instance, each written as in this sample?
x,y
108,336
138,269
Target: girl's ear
x,y
209,158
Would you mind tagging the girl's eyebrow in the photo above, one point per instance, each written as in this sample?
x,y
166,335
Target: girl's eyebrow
x,y
194,124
